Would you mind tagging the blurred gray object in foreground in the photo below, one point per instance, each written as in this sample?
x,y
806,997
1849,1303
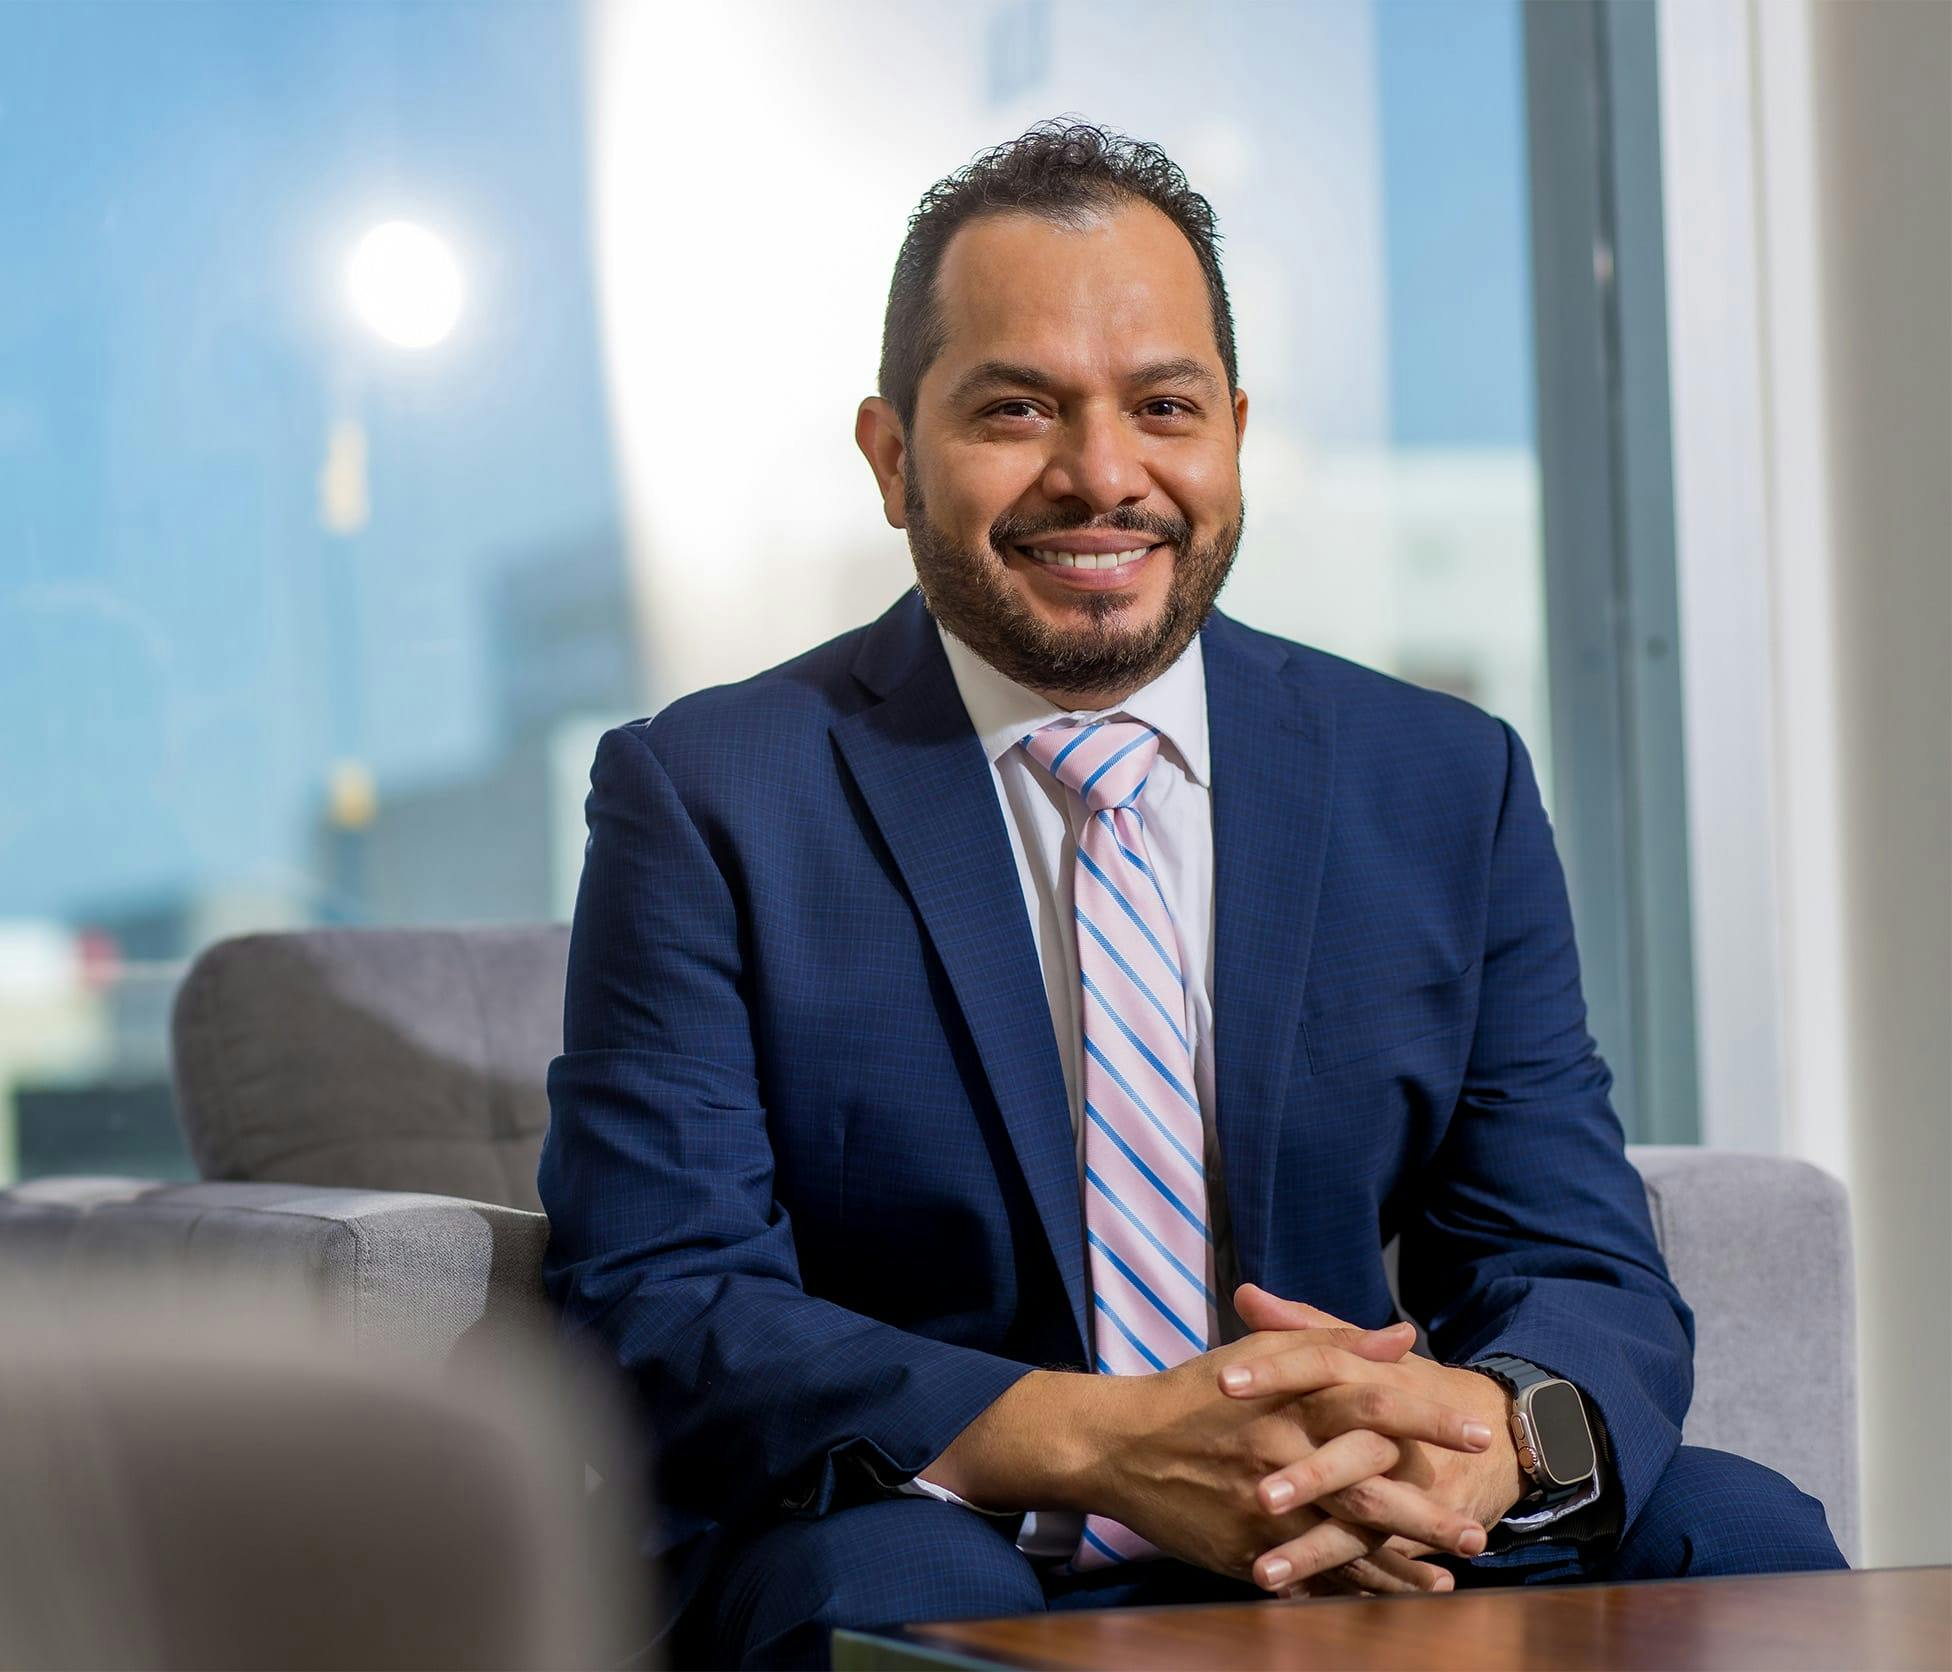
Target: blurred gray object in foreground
x,y
198,1477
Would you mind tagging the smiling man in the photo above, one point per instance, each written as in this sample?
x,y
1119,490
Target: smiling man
x,y
1000,1042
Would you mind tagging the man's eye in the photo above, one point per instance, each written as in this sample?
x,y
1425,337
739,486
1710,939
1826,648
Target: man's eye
x,y
1180,408
1014,409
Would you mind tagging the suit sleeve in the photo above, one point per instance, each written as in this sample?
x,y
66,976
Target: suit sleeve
x,y
1532,1236
666,1241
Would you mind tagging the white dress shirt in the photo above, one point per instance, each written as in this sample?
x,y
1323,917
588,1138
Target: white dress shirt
x,y
1044,820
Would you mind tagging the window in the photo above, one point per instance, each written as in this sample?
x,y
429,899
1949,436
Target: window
x,y
392,396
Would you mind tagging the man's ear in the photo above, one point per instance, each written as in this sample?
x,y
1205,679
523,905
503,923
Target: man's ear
x,y
878,433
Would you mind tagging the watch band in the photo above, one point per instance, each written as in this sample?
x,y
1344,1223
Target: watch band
x,y
1515,1375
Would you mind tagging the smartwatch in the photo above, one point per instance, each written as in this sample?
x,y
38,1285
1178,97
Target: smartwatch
x,y
1556,1450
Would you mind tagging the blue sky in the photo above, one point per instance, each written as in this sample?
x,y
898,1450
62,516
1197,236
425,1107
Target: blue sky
x,y
178,183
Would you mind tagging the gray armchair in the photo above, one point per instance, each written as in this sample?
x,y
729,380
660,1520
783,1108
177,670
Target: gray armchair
x,y
366,1107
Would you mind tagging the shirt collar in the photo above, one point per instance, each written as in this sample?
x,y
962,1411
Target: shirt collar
x,y
1004,712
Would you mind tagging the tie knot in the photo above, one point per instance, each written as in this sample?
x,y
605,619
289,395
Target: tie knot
x,y
1105,761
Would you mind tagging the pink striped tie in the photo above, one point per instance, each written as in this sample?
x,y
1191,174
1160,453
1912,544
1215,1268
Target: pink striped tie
x,y
1145,1180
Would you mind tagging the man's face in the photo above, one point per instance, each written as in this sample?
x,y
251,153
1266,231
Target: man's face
x,y
1070,484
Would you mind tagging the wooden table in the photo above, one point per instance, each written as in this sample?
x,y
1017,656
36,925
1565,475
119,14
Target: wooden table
x,y
1881,1621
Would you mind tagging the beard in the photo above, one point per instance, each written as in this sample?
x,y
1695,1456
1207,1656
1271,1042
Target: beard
x,y
972,595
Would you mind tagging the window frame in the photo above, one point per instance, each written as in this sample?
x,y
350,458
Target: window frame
x,y
1606,485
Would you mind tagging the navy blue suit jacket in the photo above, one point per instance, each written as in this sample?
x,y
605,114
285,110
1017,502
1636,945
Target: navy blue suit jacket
x,y
810,1171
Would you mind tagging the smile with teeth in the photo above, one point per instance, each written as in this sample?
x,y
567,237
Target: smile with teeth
x,y
1083,560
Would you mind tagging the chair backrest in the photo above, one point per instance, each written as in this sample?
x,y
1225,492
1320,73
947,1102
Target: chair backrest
x,y
1760,1246
381,1059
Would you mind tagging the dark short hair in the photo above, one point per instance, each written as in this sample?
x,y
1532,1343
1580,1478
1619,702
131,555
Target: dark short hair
x,y
1063,171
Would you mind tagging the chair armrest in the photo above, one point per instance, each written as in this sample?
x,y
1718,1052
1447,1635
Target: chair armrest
x,y
1759,1246
388,1269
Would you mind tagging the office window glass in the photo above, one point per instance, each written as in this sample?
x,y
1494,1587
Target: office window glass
x,y
393,395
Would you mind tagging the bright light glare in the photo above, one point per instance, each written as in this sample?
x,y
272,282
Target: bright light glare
x,y
405,284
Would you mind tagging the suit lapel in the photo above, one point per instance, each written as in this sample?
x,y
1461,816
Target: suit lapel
x,y
928,787
1273,745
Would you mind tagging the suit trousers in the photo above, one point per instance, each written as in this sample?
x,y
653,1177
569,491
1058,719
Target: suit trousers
x,y
778,1598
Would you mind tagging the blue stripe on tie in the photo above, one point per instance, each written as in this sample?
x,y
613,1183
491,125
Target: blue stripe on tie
x,y
1139,1283
1143,868
1084,789
1103,1365
1125,906
1092,1048
1144,1351
1147,1173
1142,1048
1118,958
1104,816
1145,1230
1057,760
1092,1538
1139,791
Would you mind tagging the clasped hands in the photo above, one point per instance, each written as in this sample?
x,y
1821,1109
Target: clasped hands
x,y
1331,1461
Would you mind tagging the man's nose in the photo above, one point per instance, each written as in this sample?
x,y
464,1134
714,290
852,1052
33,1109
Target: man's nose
x,y
1097,459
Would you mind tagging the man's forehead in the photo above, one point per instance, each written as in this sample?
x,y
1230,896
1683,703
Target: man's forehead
x,y
1111,296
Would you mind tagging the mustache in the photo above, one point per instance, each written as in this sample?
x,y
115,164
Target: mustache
x,y
1014,531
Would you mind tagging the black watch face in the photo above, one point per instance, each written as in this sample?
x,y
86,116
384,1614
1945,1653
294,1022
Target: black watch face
x,y
1565,1442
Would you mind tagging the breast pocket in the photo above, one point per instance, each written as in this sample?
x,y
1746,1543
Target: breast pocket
x,y
1372,1024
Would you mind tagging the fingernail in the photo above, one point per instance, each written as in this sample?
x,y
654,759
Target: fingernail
x,y
1276,1572
1235,1377
1280,1494
1477,1434
1470,1541
1444,1582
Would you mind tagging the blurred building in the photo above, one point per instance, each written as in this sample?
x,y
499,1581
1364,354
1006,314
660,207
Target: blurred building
x,y
84,1027
1411,560
560,637
504,842
52,1022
